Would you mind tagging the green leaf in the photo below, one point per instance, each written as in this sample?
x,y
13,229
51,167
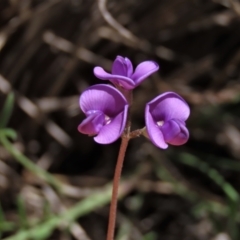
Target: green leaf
x,y
8,133
22,213
7,110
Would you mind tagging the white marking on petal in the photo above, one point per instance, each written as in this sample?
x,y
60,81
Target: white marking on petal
x,y
107,119
160,123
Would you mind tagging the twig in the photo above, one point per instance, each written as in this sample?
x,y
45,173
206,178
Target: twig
x,y
115,24
81,53
32,110
235,6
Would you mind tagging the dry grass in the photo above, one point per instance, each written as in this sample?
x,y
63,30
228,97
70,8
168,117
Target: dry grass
x,y
47,53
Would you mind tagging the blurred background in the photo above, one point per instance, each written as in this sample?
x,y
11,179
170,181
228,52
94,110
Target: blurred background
x,y
55,182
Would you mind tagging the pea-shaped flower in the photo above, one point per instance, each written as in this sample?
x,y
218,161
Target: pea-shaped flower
x,y
106,112
123,75
165,118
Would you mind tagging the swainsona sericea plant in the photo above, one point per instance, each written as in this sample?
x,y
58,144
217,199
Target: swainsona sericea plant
x,y
107,115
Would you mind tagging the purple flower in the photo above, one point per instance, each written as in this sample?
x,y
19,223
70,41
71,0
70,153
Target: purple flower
x,y
106,112
123,75
165,118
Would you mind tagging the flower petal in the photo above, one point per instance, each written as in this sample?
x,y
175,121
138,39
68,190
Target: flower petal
x,y
123,81
112,131
143,70
102,97
122,66
169,106
129,67
175,132
92,124
154,131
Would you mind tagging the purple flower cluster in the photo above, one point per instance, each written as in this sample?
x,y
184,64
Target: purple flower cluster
x,y
106,107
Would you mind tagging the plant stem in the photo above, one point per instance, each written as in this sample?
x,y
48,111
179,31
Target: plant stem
x,y
117,175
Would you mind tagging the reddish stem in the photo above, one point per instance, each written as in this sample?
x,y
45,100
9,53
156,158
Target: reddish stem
x,y
117,175
118,170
